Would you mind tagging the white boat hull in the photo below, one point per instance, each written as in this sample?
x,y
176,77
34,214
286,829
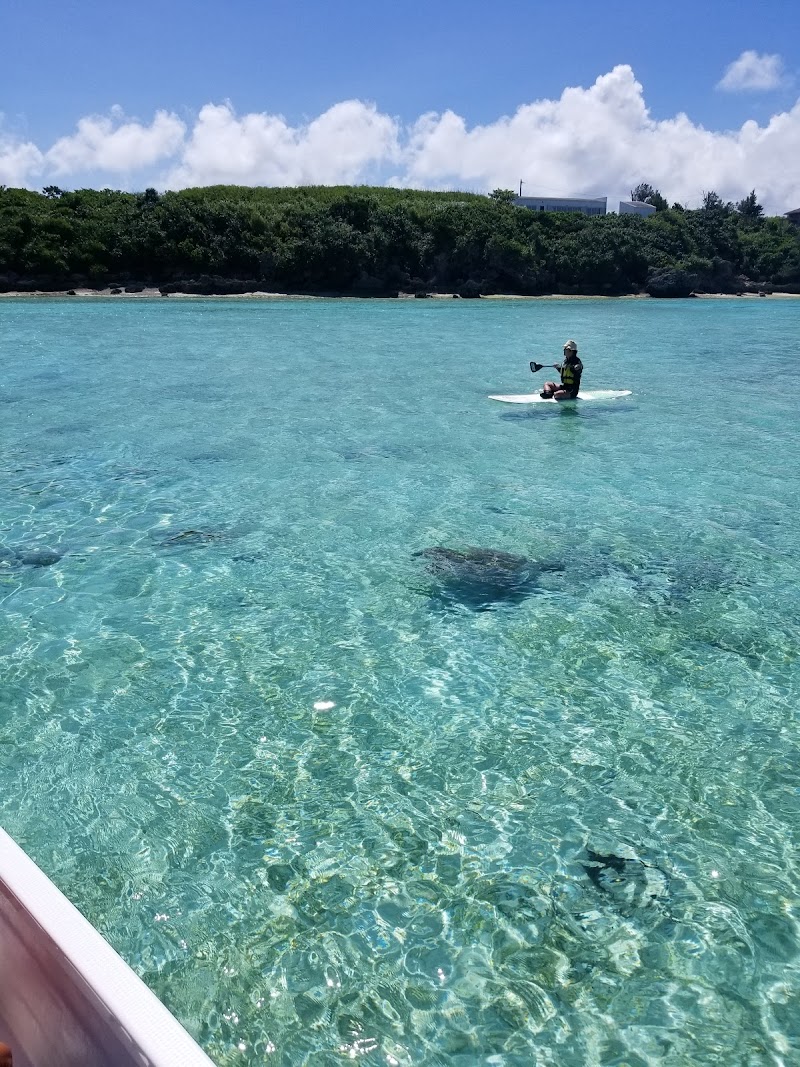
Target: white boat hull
x,y
66,998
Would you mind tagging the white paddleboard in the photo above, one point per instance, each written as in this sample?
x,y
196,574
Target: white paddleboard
x,y
589,394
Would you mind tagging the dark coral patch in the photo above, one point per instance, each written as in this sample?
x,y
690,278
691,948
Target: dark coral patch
x,y
479,578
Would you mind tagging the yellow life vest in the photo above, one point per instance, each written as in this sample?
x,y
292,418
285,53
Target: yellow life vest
x,y
570,375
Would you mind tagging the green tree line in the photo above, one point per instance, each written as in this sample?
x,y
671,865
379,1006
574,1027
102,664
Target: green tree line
x,y
364,240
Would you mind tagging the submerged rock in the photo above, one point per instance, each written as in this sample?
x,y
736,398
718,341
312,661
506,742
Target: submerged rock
x,y
134,474
681,580
516,900
629,881
192,539
481,577
8,557
39,557
28,557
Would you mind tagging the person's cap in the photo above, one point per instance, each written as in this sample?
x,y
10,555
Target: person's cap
x,y
571,346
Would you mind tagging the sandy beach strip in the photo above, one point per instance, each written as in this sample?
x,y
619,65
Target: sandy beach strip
x,y
152,293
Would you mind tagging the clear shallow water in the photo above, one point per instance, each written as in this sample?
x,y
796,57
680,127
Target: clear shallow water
x,y
238,489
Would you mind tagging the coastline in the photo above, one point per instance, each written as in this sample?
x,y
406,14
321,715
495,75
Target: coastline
x,y
152,293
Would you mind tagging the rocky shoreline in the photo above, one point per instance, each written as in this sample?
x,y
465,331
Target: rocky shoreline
x,y
151,292
662,283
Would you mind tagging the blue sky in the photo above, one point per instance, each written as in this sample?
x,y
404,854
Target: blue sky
x,y
70,60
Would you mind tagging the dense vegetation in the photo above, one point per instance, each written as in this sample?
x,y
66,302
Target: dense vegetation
x,y
377,241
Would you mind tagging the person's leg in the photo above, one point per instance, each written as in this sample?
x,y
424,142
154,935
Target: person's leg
x,y
564,394
548,389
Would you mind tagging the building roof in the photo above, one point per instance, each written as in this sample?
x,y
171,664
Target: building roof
x,y
794,211
568,199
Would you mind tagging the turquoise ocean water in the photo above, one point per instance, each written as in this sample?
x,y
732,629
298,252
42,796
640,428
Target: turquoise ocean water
x,y
556,827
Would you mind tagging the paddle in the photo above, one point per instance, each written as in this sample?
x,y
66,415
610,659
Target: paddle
x,y
539,366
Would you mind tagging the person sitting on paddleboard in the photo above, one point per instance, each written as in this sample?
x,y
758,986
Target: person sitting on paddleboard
x,y
570,370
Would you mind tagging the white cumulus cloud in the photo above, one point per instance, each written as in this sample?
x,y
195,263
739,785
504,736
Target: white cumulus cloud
x,y
603,140
116,145
340,146
571,146
596,140
20,162
753,71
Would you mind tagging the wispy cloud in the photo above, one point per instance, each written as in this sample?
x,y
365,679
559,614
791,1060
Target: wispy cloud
x,y
596,140
752,72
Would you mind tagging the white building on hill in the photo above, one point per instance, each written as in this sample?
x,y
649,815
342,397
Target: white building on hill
x,y
595,206
636,207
